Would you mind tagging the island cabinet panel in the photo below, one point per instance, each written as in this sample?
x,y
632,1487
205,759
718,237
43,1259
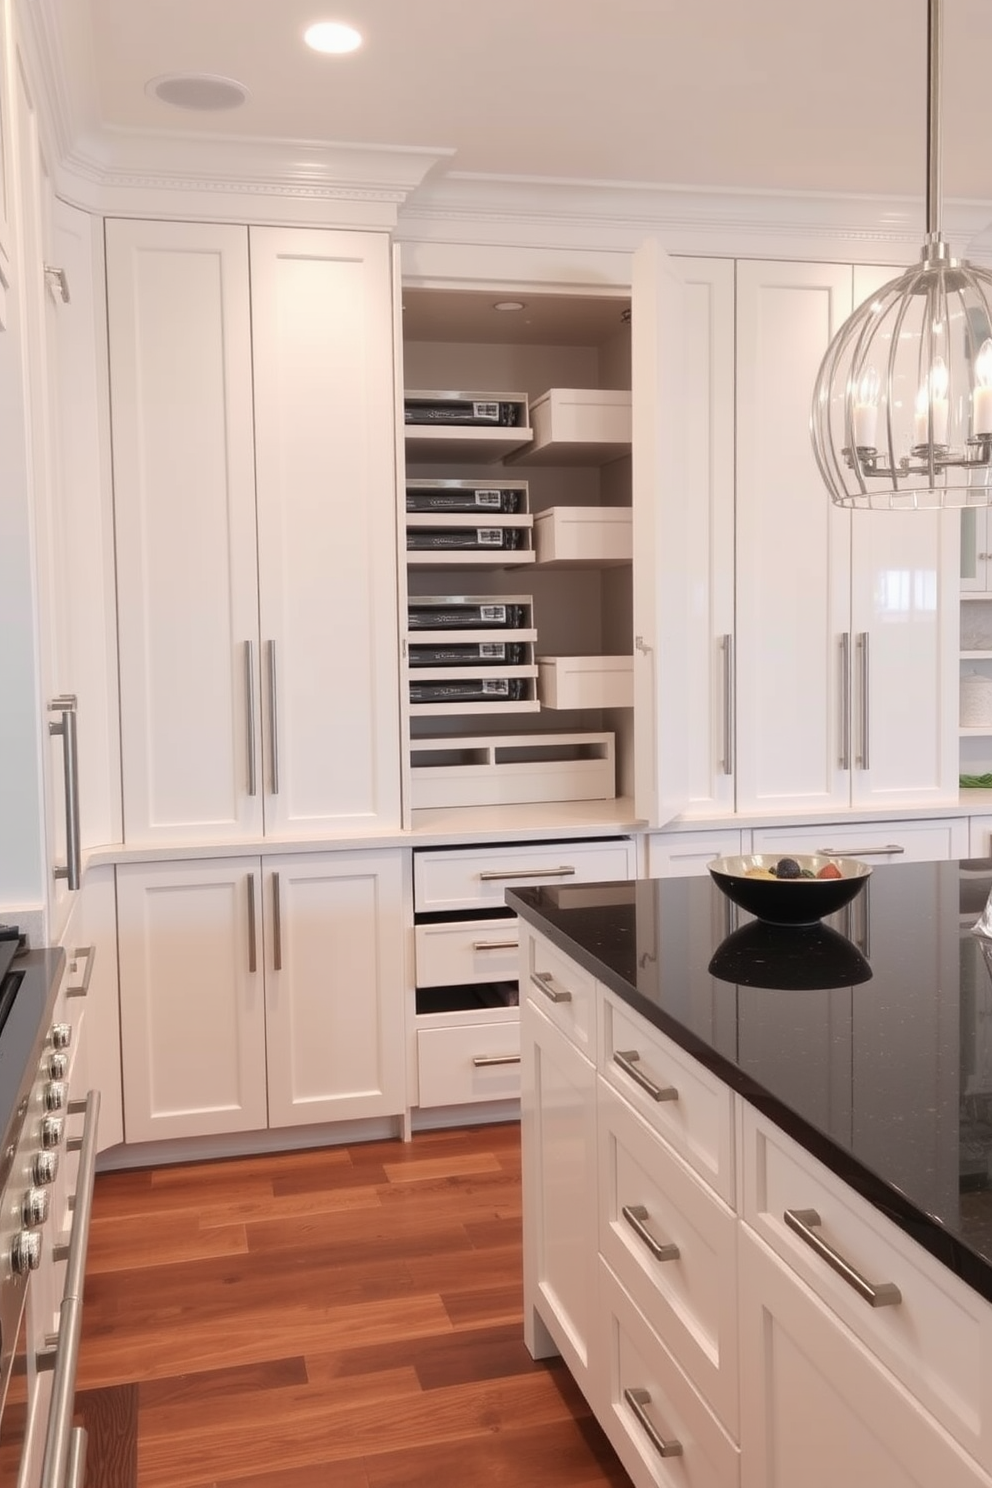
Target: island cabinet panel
x,y
261,992
558,1107
755,1321
252,423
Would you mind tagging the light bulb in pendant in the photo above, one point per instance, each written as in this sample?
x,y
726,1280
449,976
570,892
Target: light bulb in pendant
x,y
931,402
981,411
865,411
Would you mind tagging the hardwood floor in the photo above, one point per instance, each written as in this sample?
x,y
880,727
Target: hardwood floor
x,y
349,1316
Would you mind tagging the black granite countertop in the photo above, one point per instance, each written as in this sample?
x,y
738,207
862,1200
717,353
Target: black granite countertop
x,y
867,1038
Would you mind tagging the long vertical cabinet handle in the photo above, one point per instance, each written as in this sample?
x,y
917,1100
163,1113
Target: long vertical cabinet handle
x,y
66,730
845,700
270,648
276,924
252,936
729,726
250,719
864,677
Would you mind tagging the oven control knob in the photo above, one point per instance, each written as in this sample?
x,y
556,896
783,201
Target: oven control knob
x,y
25,1253
45,1167
58,1066
61,1035
52,1129
34,1209
55,1095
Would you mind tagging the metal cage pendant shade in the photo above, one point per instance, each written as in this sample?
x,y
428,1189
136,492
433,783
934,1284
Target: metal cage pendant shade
x,y
902,408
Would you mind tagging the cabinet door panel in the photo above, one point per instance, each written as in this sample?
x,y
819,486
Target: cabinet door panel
x,y
180,368
793,545
334,987
325,431
192,1014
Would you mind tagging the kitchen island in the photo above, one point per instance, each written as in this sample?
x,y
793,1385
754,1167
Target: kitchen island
x,y
757,1200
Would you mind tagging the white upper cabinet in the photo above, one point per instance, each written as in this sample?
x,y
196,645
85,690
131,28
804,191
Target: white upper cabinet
x,y
258,647
846,640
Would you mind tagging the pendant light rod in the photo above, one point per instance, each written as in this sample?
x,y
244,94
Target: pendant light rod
x,y
933,121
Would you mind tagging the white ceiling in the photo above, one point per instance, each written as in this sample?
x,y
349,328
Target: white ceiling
x,y
795,95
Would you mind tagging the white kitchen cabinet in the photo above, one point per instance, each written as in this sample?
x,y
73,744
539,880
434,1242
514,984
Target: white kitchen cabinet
x,y
976,551
675,854
918,840
846,623
817,1409
92,998
260,992
251,374
559,1159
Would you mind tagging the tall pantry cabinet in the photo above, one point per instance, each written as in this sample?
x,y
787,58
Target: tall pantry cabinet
x,y
253,452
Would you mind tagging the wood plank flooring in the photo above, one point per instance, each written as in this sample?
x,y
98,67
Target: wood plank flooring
x,y
348,1316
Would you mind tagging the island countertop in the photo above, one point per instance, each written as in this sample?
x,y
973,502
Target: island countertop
x,y
868,1038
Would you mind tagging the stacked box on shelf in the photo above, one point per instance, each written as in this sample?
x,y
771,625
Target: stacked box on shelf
x,y
471,654
467,523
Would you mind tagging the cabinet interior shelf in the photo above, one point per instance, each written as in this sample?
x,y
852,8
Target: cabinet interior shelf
x,y
468,637
976,733
470,673
430,442
457,709
492,558
985,655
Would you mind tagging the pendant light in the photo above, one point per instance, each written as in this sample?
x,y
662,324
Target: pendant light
x,y
902,408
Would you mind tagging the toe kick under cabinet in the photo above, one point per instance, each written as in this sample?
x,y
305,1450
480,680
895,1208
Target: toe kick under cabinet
x,y
467,1017
719,1346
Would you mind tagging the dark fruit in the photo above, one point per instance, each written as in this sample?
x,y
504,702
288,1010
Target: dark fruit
x,y
787,868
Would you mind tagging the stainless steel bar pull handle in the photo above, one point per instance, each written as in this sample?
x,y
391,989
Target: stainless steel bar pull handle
x,y
250,719
494,945
865,678
87,954
845,700
276,924
494,875
860,852
273,715
252,938
66,730
729,723
628,1061
877,1294
665,1447
481,1061
637,1216
546,982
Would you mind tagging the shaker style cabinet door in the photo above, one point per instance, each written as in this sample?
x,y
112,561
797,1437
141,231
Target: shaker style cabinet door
x,y
334,986
325,431
793,545
184,494
192,1004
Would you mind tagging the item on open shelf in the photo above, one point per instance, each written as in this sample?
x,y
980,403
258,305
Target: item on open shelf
x,y
510,769
584,536
585,681
469,653
976,625
469,612
465,539
478,410
466,496
579,426
474,690
976,700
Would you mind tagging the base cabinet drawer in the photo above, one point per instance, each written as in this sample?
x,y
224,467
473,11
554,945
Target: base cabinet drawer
x,y
470,1062
817,1410
662,1430
935,1336
453,953
475,878
926,841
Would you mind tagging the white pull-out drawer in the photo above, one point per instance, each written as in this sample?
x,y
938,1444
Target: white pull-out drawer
x,y
874,842
661,1428
471,878
474,1062
681,1100
452,953
564,992
672,1243
936,1338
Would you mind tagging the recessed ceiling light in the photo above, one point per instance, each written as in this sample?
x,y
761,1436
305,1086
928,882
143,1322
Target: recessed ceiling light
x,y
332,36
509,305
197,90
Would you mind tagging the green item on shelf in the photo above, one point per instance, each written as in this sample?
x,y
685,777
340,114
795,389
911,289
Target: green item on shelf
x,y
975,782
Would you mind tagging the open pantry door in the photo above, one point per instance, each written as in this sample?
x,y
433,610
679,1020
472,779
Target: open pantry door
x,y
661,577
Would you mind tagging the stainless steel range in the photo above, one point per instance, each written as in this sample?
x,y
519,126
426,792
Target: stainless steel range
x,y
40,1268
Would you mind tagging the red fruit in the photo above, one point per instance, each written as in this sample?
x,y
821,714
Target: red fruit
x,y
830,870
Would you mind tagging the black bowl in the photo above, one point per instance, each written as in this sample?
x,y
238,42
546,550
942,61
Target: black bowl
x,y
792,958
789,901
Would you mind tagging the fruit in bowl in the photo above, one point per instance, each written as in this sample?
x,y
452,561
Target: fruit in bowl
x,y
787,889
